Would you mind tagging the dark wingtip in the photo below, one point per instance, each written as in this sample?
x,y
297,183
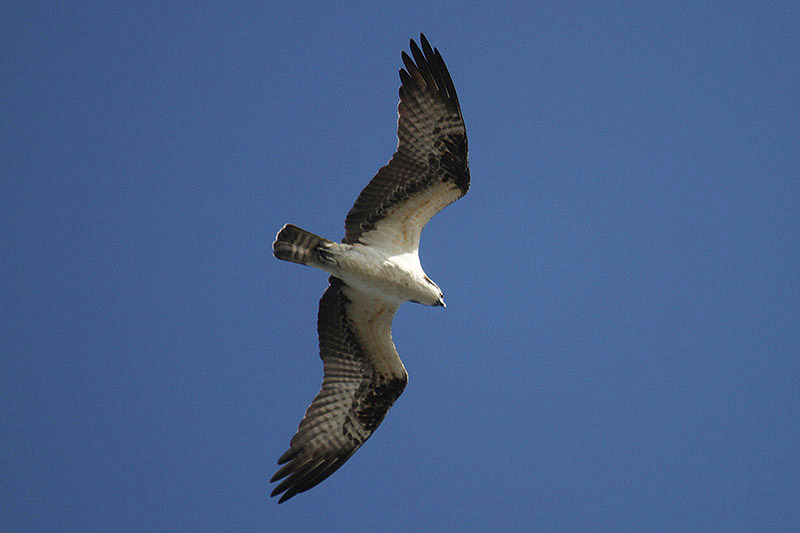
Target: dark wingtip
x,y
425,64
285,496
423,42
426,46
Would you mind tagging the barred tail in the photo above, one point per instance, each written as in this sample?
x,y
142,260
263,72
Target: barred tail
x,y
297,245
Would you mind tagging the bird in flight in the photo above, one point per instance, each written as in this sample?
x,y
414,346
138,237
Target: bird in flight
x,y
373,270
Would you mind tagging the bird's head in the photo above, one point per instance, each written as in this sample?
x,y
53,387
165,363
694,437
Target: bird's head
x,y
435,298
441,303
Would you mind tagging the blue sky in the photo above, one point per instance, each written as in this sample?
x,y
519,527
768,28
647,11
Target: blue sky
x,y
620,347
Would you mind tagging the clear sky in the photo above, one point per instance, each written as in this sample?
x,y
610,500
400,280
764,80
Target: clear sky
x,y
621,345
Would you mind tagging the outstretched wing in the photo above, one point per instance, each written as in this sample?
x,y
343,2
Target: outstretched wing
x,y
363,377
430,169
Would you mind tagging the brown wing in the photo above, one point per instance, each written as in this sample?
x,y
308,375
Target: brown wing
x,y
430,169
363,377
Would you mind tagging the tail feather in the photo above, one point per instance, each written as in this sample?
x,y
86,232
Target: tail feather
x,y
297,245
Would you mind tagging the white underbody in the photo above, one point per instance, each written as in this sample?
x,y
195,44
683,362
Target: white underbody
x,y
398,278
385,261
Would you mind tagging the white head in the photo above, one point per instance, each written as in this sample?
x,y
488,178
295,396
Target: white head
x,y
437,298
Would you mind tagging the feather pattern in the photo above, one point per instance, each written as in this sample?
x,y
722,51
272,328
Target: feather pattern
x,y
363,377
430,168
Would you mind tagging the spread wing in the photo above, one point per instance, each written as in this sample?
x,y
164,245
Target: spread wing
x,y
363,377
430,169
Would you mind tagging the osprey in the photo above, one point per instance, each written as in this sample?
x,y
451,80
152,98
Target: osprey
x,y
374,270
